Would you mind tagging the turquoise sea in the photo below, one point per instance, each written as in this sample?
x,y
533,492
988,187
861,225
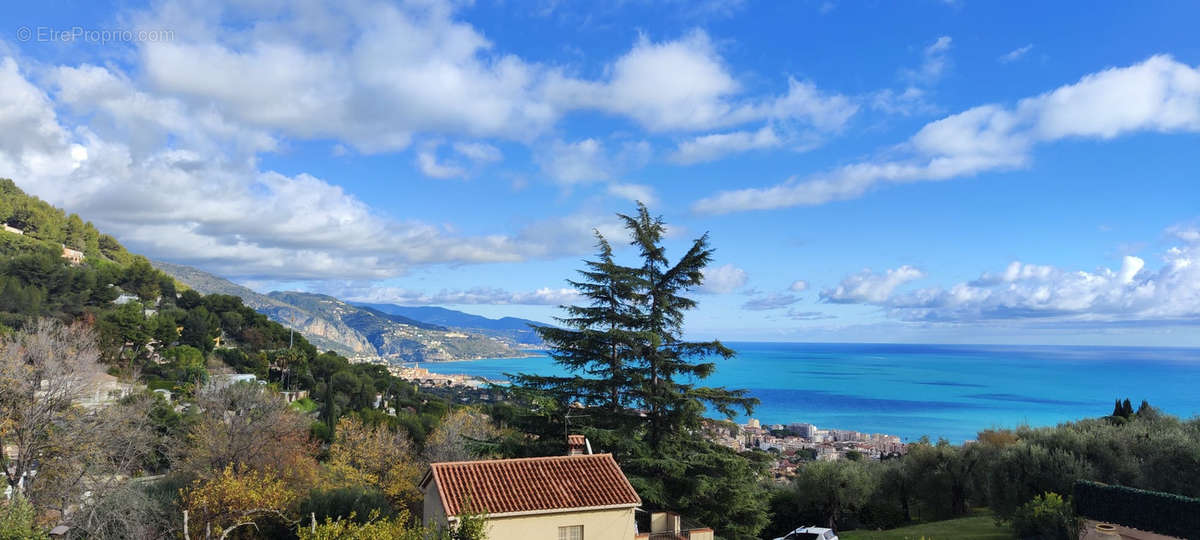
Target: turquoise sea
x,y
946,391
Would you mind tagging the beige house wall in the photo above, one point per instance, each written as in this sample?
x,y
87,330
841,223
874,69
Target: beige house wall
x,y
611,524
433,515
615,524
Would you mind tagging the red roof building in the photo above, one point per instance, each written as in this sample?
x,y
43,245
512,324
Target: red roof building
x,y
564,497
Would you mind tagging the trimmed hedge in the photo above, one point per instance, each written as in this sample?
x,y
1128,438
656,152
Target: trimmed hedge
x,y
1163,513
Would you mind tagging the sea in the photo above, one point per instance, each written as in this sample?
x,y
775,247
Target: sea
x,y
939,391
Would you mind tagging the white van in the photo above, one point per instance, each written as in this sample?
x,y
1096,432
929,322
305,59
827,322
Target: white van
x,y
810,533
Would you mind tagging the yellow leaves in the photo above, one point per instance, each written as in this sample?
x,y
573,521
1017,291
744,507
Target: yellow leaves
x,y
373,529
362,455
234,496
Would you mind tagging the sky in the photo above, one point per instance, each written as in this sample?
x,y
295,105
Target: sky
x,y
924,171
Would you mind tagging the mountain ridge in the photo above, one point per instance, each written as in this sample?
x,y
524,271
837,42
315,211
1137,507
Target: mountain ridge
x,y
360,331
515,328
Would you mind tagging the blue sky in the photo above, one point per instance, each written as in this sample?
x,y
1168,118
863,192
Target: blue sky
x,y
882,171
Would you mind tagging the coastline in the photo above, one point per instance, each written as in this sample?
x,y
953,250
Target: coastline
x,y
939,391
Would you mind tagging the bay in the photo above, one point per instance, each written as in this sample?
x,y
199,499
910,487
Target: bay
x,y
949,391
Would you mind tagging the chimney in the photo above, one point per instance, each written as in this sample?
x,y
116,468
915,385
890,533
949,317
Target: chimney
x,y
578,445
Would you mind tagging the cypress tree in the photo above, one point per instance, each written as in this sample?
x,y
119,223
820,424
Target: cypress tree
x,y
1126,408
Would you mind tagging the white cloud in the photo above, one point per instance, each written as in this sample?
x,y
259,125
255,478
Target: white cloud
x,y
479,152
633,192
377,75
909,102
770,302
713,147
933,64
1130,293
1015,54
684,85
203,201
480,295
808,315
867,286
798,286
724,279
589,160
1158,95
427,162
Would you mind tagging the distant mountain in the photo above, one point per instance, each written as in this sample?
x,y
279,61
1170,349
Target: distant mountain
x,y
518,330
330,323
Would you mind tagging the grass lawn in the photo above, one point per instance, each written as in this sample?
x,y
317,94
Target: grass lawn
x,y
980,526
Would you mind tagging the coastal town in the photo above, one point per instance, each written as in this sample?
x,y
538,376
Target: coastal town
x,y
792,444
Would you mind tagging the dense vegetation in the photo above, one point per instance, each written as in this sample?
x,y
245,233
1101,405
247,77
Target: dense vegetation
x,y
228,454
1003,470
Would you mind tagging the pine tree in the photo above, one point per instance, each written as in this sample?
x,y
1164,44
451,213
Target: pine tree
x,y
1126,408
1117,410
635,383
674,406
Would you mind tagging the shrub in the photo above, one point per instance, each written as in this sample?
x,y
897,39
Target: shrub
x,y
1046,517
18,521
1163,513
340,503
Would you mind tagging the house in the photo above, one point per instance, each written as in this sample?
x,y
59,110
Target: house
x,y
11,229
574,497
73,256
101,389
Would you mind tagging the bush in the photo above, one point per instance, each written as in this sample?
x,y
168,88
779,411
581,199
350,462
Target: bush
x,y
1046,517
17,521
361,501
1163,513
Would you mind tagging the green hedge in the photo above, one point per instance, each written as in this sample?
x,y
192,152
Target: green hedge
x,y
1163,513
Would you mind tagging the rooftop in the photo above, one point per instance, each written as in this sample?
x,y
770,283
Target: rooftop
x,y
508,486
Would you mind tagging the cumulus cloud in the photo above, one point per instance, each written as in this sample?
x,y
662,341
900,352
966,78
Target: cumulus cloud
x,y
870,287
377,75
1159,94
204,201
1128,293
770,301
724,279
1015,54
798,286
684,85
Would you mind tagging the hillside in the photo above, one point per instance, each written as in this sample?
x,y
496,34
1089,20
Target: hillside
x,y
399,337
331,324
323,333
518,330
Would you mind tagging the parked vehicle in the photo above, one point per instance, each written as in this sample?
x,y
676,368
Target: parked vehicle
x,y
810,533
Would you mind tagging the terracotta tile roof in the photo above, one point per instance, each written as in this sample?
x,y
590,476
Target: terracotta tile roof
x,y
576,440
532,484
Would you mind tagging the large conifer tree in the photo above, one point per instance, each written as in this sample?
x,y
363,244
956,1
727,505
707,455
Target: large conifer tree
x,y
635,384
